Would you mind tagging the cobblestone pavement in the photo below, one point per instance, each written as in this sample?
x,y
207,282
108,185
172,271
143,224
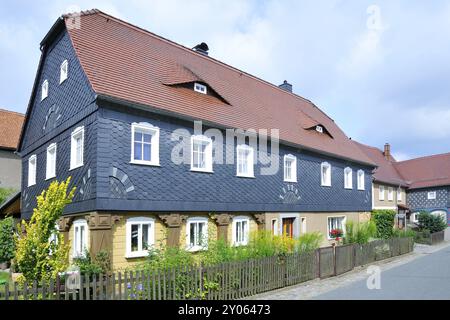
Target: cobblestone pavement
x,y
319,288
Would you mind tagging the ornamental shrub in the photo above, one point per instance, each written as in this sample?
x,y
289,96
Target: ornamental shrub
x,y
384,222
431,222
360,233
37,258
7,245
100,263
5,193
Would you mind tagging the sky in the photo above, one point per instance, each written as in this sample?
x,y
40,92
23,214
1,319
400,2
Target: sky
x,y
380,69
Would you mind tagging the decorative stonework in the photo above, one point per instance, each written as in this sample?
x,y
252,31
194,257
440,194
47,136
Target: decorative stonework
x,y
86,188
64,223
222,219
259,218
119,184
101,221
290,195
173,220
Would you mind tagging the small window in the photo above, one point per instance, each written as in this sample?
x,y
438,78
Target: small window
x,y
244,161
319,129
197,234
381,193
201,154
390,194
140,233
399,195
348,178
44,91
200,88
53,239
336,224
51,161
431,195
290,168
144,144
77,148
80,238
325,168
361,184
32,171
240,231
64,71
415,217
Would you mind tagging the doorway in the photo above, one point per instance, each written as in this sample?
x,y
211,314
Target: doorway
x,y
288,227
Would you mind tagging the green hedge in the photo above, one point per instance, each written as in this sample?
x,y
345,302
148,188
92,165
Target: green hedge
x,y
384,221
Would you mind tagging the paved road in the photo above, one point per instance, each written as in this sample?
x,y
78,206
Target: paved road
x,y
427,277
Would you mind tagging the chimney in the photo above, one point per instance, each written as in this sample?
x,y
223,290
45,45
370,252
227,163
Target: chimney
x,y
387,151
286,86
201,48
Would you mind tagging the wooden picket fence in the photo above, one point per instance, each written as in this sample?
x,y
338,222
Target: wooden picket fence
x,y
225,281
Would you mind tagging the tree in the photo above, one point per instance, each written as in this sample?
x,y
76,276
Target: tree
x,y
7,245
37,258
431,222
384,221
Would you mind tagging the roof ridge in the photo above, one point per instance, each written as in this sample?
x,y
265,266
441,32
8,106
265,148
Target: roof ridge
x,y
424,157
207,57
13,112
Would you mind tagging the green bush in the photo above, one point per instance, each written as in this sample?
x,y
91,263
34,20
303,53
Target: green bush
x,y
7,244
384,222
5,193
360,233
101,263
309,242
431,222
404,233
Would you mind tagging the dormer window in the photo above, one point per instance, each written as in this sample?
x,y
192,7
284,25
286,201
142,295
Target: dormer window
x,y
64,71
201,88
44,91
319,129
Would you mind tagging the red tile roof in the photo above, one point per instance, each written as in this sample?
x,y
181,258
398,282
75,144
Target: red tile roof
x,y
136,66
386,171
427,171
10,128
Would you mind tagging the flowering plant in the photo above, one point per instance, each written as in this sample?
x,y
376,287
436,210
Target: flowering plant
x,y
336,234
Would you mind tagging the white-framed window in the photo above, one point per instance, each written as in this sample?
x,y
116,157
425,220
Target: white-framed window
x,y
77,148
348,178
53,239
319,129
381,193
201,88
244,167
144,144
51,161
415,217
197,234
32,162
325,174
241,230
80,238
64,71
390,194
399,194
335,223
274,224
290,168
431,195
201,154
44,90
140,233
361,180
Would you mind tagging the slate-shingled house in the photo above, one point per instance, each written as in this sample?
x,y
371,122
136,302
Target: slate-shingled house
x,y
106,101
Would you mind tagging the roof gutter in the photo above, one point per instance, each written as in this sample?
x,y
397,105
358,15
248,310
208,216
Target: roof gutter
x,y
143,107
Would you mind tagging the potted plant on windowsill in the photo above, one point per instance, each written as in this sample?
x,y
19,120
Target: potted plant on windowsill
x,y
336,234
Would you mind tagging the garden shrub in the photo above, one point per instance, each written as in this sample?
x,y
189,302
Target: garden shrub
x,y
100,263
7,244
360,233
309,242
5,193
384,222
36,257
431,222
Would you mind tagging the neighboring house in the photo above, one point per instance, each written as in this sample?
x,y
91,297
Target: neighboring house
x,y
10,163
429,185
111,103
410,186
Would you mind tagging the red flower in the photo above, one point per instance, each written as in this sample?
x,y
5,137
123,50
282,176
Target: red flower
x,y
336,234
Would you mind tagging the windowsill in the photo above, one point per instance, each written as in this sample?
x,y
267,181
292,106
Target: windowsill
x,y
291,181
31,185
134,255
201,170
348,188
50,178
73,168
239,244
78,256
361,189
196,249
242,176
145,163
325,185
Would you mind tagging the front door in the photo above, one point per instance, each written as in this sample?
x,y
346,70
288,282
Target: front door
x,y
288,227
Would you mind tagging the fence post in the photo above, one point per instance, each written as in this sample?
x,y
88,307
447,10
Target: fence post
x,y
334,258
200,273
